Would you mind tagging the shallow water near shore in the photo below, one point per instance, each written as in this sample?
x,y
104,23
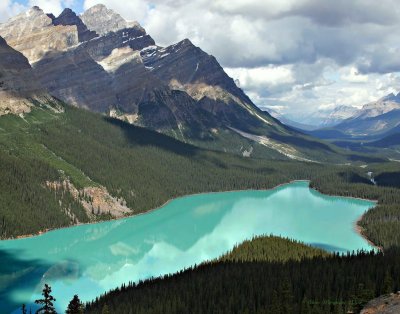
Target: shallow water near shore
x,y
90,259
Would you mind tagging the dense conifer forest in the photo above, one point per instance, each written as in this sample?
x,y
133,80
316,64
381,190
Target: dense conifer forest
x,y
240,283
146,169
271,249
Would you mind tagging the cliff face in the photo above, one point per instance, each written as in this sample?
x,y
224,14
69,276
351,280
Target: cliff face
x,y
68,17
18,84
102,20
74,77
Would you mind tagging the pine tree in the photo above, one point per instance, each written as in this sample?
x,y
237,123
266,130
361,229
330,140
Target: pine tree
x,y
46,302
387,283
105,310
75,306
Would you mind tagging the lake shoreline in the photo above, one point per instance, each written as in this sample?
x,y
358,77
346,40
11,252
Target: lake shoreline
x,y
42,232
360,230
357,228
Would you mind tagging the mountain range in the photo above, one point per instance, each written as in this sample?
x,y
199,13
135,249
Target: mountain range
x,y
320,118
101,62
373,121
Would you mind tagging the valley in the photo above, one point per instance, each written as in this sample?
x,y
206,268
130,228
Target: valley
x,y
184,232
142,178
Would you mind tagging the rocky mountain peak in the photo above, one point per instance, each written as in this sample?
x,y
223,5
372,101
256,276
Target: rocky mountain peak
x,y
33,19
391,97
69,17
35,8
379,107
102,20
33,33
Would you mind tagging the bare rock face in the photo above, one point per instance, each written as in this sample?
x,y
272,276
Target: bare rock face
x,y
103,20
68,17
387,304
18,84
34,34
145,100
186,67
74,77
80,76
101,47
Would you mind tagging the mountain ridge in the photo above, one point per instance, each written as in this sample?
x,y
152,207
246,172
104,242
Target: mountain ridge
x,y
374,120
179,90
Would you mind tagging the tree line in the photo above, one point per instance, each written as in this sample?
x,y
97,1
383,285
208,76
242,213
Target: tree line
x,y
238,283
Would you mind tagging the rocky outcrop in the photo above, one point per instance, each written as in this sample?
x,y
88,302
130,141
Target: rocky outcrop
x,y
18,85
103,20
34,34
96,200
68,17
387,304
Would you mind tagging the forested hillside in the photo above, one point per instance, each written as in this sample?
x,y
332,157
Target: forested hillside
x,y
314,284
144,169
271,249
137,166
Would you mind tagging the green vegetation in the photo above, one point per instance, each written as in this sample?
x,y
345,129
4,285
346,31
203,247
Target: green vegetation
x,y
141,166
147,169
315,283
380,224
26,205
47,303
75,306
271,249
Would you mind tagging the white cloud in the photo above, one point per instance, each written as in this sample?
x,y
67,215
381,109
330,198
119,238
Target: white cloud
x,y
8,8
48,6
269,79
352,75
297,54
131,10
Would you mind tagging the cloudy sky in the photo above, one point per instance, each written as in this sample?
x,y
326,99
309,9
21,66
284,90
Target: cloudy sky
x,y
297,56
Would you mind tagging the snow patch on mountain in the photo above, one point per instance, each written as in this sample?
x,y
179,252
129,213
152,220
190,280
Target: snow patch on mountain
x,y
119,57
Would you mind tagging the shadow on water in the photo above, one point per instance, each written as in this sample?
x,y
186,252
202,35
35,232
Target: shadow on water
x,y
329,248
27,277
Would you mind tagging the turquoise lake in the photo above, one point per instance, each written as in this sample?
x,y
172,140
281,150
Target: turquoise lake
x,y
90,259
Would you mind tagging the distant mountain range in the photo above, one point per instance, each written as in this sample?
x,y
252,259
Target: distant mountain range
x,y
103,63
296,125
373,121
321,118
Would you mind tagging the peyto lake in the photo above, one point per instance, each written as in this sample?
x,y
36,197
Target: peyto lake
x,y
90,259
